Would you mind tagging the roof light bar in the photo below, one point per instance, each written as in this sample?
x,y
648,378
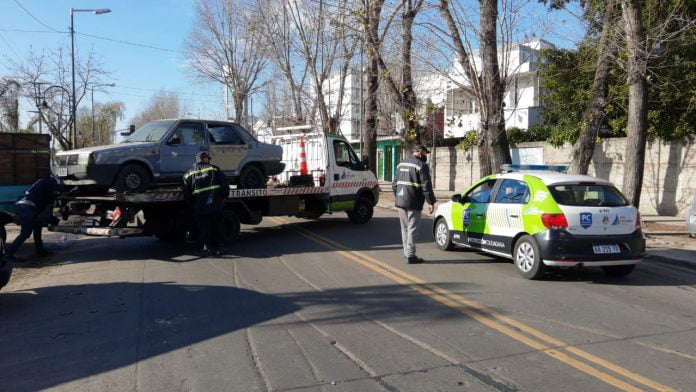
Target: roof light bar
x,y
554,168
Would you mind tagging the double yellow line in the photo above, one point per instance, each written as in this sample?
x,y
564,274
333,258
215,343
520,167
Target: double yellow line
x,y
531,337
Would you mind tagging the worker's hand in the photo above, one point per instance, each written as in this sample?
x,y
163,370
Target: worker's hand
x,y
431,208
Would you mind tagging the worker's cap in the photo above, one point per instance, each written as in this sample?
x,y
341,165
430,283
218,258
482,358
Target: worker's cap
x,y
420,148
201,155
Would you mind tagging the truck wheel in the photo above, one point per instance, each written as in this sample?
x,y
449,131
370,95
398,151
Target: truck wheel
x,y
132,178
251,178
362,211
618,271
443,237
527,257
232,227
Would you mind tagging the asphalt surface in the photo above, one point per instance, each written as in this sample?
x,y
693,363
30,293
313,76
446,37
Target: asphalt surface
x,y
330,306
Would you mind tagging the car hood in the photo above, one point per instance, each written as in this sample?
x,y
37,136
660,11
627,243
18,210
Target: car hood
x,y
109,147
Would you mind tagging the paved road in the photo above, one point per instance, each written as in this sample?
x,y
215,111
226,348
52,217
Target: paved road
x,y
329,306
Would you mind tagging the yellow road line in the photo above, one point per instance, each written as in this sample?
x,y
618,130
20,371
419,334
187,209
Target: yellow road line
x,y
482,313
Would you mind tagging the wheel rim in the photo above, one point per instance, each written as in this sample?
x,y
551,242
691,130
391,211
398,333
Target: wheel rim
x,y
525,257
442,234
132,181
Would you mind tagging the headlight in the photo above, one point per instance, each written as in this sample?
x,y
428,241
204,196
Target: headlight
x,y
83,159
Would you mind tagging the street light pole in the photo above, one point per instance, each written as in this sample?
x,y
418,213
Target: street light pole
x,y
72,50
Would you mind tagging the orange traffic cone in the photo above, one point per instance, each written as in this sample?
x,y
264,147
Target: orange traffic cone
x,y
303,158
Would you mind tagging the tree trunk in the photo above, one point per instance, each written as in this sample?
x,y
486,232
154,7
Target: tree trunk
x,y
493,116
370,127
637,126
583,149
408,95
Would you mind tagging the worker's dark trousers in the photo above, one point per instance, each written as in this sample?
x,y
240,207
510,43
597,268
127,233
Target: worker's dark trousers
x,y
211,229
26,217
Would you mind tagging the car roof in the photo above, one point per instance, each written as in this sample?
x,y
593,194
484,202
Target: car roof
x,y
551,178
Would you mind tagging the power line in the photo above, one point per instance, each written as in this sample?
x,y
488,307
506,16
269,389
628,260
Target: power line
x,y
126,42
37,19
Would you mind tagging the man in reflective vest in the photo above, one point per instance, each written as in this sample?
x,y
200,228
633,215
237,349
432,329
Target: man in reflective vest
x,y
412,188
205,189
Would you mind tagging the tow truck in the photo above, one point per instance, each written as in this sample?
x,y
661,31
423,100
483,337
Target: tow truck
x,y
328,179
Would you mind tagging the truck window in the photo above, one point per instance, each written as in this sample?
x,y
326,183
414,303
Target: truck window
x,y
223,134
345,156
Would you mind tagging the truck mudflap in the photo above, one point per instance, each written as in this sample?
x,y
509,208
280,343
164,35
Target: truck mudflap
x,y
98,231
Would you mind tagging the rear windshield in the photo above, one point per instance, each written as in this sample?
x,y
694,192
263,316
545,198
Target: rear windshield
x,y
588,195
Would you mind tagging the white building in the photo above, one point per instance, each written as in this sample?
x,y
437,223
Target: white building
x,y
350,125
521,100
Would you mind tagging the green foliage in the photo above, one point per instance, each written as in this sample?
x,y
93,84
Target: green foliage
x,y
568,74
469,140
536,133
105,117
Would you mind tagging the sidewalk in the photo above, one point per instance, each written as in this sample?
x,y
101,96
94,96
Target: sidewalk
x,y
666,237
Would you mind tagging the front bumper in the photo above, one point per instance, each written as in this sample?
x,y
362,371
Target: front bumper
x,y
88,174
560,248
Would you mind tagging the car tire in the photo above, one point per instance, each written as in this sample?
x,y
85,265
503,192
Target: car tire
x,y
132,178
527,258
251,178
362,211
443,236
617,271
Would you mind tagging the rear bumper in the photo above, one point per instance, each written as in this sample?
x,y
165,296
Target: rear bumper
x,y
88,174
560,248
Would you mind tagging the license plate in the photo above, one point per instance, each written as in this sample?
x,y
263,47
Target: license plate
x,y
62,172
603,249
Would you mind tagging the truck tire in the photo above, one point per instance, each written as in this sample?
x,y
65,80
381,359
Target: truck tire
x,y
251,178
527,258
232,227
166,227
132,178
617,271
362,211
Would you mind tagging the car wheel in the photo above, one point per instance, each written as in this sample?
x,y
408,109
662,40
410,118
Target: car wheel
x,y
443,237
362,211
618,270
132,178
527,258
251,178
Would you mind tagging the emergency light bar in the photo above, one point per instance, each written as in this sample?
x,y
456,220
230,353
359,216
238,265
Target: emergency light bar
x,y
554,168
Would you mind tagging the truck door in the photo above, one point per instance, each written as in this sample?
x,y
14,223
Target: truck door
x,y
227,148
347,175
178,152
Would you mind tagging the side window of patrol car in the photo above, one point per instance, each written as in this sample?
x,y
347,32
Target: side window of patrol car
x,y
512,192
482,193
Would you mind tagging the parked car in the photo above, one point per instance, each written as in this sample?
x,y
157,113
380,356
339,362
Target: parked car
x,y
543,219
691,218
162,151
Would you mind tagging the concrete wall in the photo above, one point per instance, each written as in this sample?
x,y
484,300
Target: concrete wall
x,y
669,180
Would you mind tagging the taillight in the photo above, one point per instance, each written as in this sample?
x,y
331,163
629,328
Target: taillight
x,y
638,223
554,221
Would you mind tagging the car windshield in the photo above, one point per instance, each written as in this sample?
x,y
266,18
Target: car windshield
x,y
153,131
603,195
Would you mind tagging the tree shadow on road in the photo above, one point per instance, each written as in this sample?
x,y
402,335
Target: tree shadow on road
x,y
54,335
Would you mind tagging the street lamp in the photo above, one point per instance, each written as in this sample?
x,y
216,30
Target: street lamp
x,y
44,105
94,132
98,11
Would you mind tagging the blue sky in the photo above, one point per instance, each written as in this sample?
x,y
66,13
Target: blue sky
x,y
137,71
141,71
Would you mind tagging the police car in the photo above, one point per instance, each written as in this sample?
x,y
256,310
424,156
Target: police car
x,y
541,217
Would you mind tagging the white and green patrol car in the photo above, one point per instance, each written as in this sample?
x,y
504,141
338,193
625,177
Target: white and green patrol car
x,y
540,218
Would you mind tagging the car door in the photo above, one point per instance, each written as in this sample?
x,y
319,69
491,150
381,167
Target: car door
x,y
178,151
227,148
504,218
469,215
348,175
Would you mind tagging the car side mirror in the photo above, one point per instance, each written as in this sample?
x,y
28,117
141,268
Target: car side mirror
x,y
366,162
174,141
457,198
